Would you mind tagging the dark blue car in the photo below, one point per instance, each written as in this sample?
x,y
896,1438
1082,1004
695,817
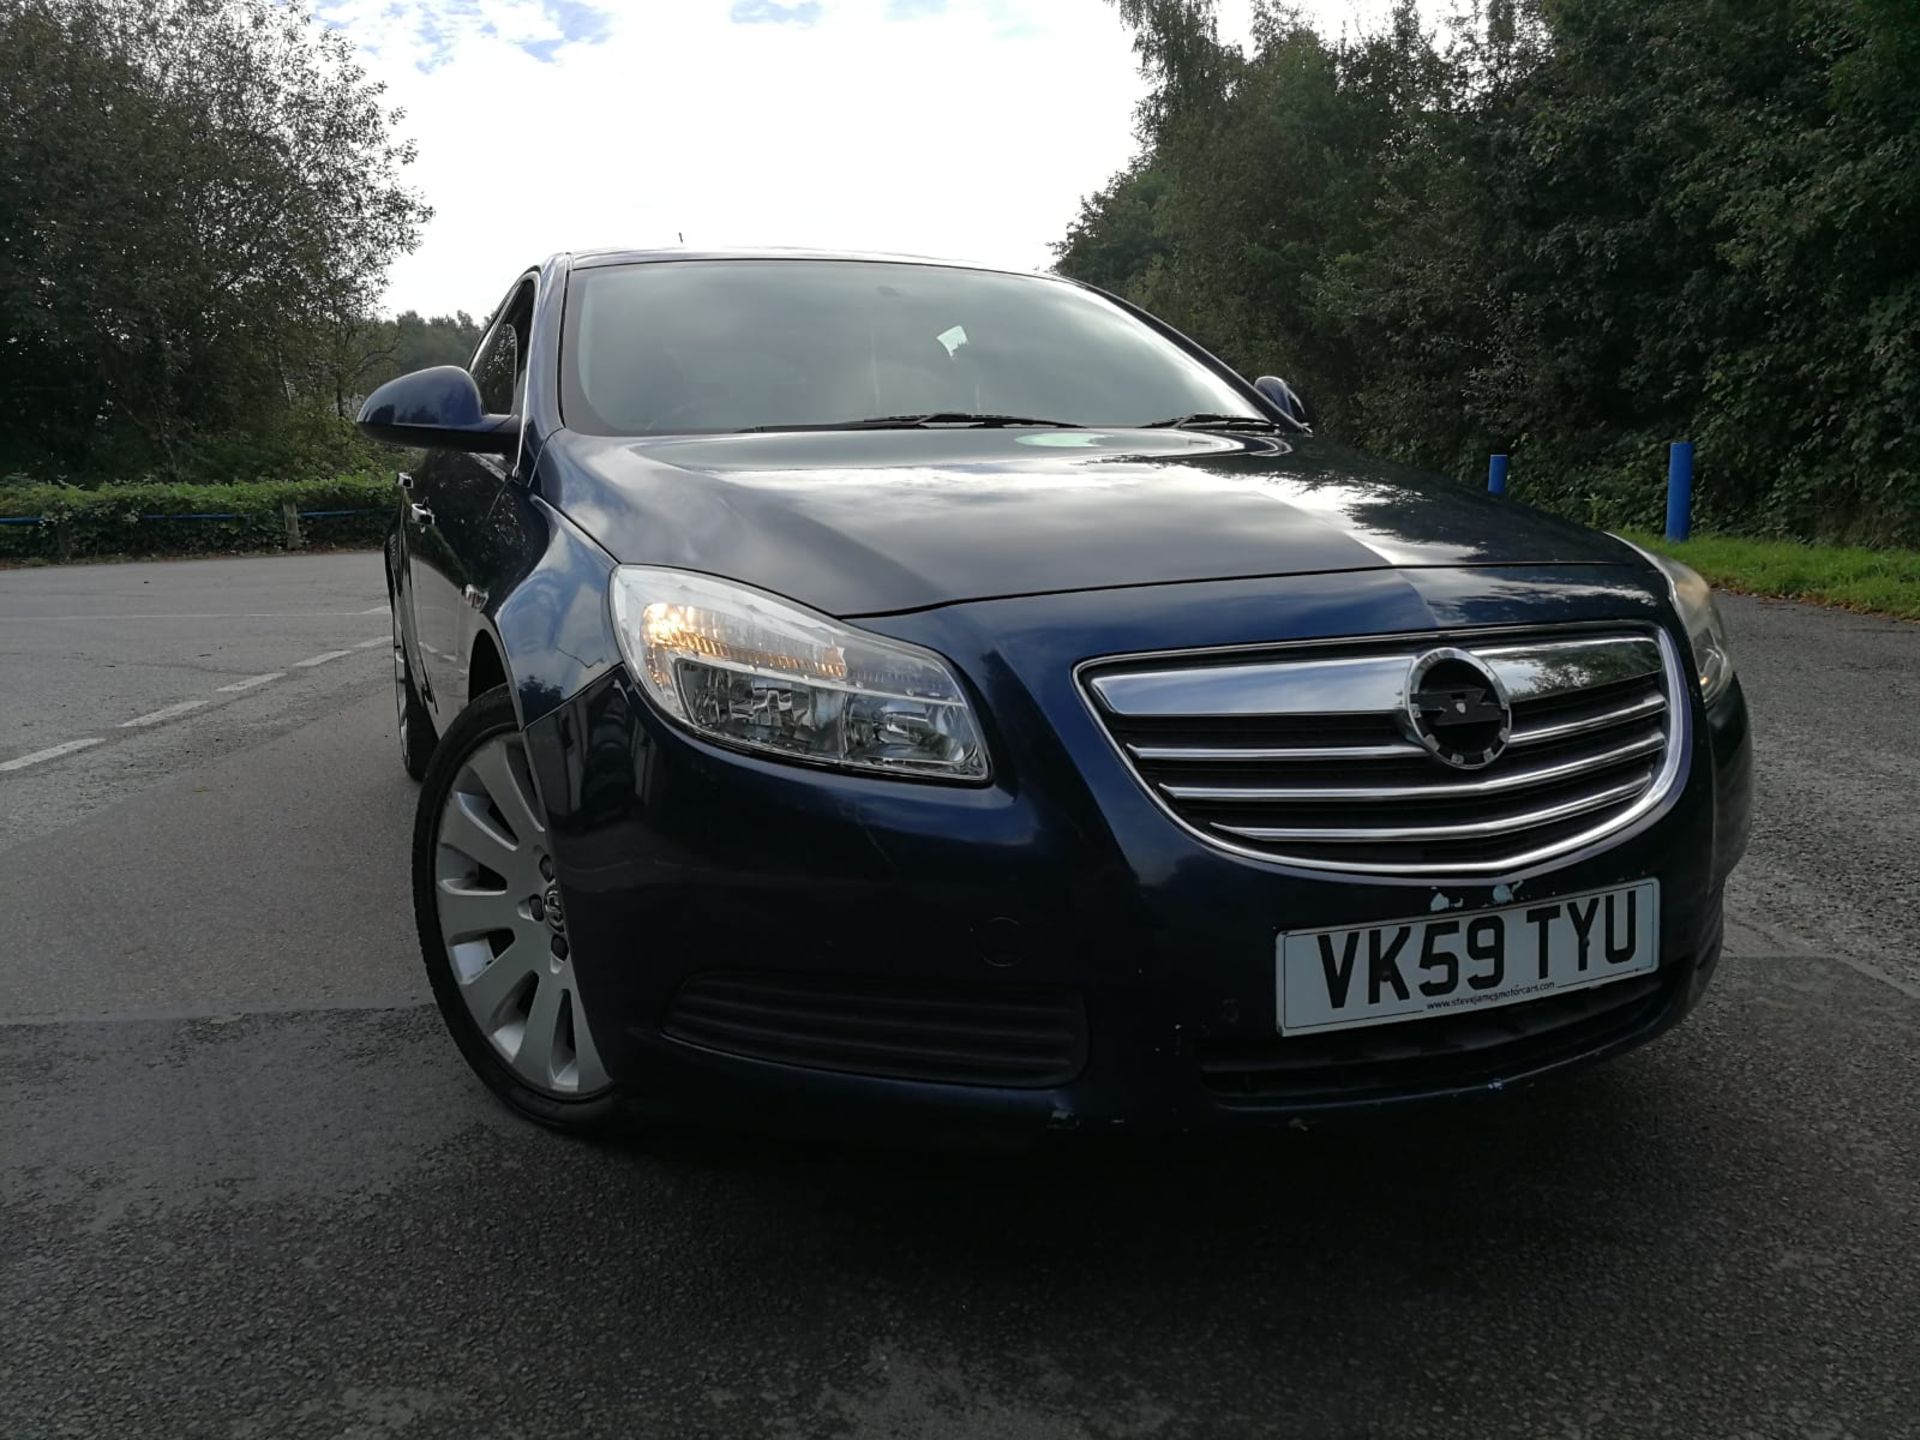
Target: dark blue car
x,y
865,689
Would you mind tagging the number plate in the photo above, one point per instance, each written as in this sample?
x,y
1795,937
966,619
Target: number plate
x,y
1451,962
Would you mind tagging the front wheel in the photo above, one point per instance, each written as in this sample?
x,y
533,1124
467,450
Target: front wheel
x,y
492,925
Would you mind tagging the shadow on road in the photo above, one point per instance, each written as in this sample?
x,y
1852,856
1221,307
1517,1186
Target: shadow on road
x,y
312,1210
1414,1189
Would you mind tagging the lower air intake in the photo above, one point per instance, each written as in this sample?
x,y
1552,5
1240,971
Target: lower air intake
x,y
1450,1053
950,1034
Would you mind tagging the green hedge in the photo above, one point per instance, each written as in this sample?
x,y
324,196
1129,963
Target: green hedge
x,y
148,518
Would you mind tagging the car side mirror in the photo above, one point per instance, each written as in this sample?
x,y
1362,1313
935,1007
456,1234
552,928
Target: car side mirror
x,y
437,409
1277,393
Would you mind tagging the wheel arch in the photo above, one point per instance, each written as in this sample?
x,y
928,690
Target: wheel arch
x,y
486,665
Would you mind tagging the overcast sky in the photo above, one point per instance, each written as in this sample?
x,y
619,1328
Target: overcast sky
x,y
966,128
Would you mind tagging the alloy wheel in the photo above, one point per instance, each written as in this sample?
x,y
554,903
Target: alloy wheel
x,y
503,924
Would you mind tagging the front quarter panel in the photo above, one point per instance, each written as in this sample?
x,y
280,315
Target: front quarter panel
x,y
552,623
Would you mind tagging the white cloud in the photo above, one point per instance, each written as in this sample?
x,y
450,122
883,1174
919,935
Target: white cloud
x,y
969,128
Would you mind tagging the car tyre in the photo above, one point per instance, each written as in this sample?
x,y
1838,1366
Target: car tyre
x,y
492,931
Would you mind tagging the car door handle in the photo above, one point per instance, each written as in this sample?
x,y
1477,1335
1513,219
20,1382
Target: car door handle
x,y
422,515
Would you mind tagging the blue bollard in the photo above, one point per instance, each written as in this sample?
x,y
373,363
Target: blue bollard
x,y
1679,490
1497,475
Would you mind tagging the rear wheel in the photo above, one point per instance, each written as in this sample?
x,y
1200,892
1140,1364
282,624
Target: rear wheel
x,y
493,928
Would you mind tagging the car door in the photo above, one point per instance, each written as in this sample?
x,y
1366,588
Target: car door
x,y
454,493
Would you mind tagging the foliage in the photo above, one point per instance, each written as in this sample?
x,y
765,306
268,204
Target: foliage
x,y
309,443
411,342
1568,229
1885,582
134,519
200,201
364,353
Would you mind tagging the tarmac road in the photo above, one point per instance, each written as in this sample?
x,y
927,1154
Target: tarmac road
x,y
247,1188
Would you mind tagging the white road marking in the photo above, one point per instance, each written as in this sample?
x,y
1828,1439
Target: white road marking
x,y
376,640
251,681
167,713
322,659
375,610
52,752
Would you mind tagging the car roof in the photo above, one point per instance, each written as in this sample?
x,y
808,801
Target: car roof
x,y
595,258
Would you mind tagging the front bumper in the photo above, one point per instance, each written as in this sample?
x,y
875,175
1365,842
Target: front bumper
x,y
713,895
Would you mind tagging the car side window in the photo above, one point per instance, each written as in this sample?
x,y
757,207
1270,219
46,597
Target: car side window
x,y
497,369
519,366
501,367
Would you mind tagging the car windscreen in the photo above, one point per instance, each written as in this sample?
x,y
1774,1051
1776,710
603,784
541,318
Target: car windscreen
x,y
676,346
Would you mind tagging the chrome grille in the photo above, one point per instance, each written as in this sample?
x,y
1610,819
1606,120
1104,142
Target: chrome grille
x,y
1306,754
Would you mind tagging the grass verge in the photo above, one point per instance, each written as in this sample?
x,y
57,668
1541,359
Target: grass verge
x,y
1881,582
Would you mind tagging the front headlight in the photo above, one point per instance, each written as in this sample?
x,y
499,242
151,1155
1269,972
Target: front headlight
x,y
1706,632
746,668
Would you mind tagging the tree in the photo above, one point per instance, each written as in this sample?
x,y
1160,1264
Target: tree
x,y
1570,228
1259,171
200,202
361,353
419,342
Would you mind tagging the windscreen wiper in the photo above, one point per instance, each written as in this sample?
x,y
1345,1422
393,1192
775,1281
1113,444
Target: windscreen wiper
x,y
1204,421
936,419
